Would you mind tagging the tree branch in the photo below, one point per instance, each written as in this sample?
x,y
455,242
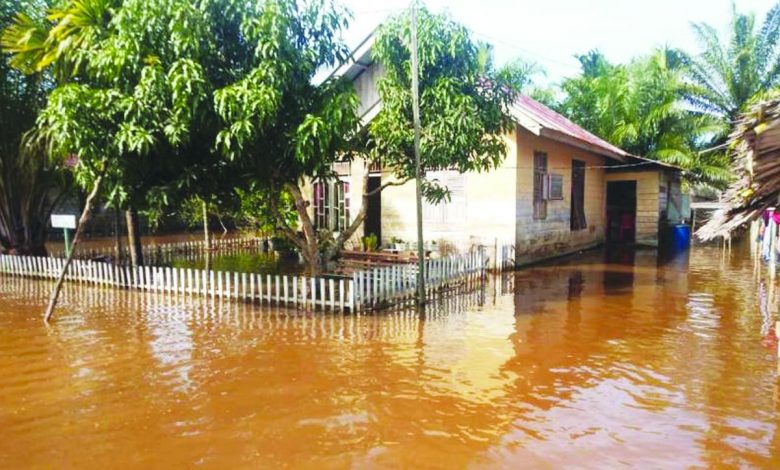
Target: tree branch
x,y
387,185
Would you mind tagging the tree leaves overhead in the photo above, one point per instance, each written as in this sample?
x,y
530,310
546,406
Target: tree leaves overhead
x,y
464,101
729,74
30,186
641,108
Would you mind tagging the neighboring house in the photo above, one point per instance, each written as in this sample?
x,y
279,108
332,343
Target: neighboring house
x,y
560,189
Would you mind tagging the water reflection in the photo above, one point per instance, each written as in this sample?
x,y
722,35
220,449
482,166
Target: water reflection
x,y
594,361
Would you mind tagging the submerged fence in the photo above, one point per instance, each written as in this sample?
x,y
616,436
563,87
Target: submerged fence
x,y
294,291
384,286
376,288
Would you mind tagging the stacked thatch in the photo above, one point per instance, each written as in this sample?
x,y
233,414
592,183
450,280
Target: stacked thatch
x,y
755,144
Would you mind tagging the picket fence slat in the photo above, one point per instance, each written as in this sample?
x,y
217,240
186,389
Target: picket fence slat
x,y
370,288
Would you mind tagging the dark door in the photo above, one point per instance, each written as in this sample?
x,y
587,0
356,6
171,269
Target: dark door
x,y
621,211
373,222
577,219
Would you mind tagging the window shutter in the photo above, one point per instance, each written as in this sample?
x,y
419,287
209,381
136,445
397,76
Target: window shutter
x,y
540,175
347,219
318,204
577,217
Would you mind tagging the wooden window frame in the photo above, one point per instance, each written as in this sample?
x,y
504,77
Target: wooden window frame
x,y
554,180
331,204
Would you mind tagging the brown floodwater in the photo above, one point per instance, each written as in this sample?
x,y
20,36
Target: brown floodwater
x,y
587,362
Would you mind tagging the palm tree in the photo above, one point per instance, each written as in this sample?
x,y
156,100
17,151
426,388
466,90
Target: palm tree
x,y
726,76
30,186
639,107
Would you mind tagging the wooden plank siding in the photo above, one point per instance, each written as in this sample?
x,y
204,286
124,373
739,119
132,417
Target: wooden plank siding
x,y
538,239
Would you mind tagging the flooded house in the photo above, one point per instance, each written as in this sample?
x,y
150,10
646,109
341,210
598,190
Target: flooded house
x,y
559,190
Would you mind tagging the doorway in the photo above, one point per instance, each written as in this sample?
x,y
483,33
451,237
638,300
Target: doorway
x,y
621,211
373,223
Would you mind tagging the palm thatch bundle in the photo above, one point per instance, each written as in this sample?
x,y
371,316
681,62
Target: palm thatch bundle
x,y
755,144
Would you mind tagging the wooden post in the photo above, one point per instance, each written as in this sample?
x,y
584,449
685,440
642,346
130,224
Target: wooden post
x,y
418,166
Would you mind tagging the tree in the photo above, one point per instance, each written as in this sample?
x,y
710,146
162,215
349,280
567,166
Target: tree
x,y
30,186
464,102
130,92
728,75
278,124
640,107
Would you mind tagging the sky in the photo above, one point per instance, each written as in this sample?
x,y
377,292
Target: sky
x,y
552,32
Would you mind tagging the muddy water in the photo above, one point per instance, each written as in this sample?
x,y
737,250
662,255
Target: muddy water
x,y
589,362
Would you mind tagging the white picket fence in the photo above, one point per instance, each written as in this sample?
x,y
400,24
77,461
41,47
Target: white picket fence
x,y
295,291
386,285
376,288
505,257
158,251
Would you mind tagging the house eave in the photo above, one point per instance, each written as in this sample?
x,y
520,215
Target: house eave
x,y
558,136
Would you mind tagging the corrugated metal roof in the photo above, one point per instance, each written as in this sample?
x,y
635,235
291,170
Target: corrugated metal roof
x,y
538,118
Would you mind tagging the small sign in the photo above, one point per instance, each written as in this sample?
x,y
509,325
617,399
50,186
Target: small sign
x,y
63,221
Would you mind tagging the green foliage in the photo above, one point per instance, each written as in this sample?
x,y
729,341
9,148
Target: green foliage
x,y
30,186
261,210
276,121
370,242
132,87
728,74
464,101
640,108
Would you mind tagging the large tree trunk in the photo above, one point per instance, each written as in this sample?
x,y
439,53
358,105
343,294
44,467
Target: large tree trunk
x,y
309,242
83,221
134,238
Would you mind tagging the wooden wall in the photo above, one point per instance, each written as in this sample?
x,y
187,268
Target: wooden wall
x,y
538,239
485,213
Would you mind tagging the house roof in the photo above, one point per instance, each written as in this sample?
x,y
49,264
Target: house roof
x,y
527,112
543,121
359,60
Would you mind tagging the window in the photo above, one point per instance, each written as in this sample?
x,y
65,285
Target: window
x,y
578,221
342,168
540,177
331,205
447,212
554,188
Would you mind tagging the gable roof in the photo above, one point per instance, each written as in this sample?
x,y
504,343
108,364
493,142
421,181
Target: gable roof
x,y
527,112
543,121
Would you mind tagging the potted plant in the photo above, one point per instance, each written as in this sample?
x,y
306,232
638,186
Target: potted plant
x,y
370,242
398,244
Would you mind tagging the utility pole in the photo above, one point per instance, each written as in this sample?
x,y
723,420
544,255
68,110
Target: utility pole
x,y
418,173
